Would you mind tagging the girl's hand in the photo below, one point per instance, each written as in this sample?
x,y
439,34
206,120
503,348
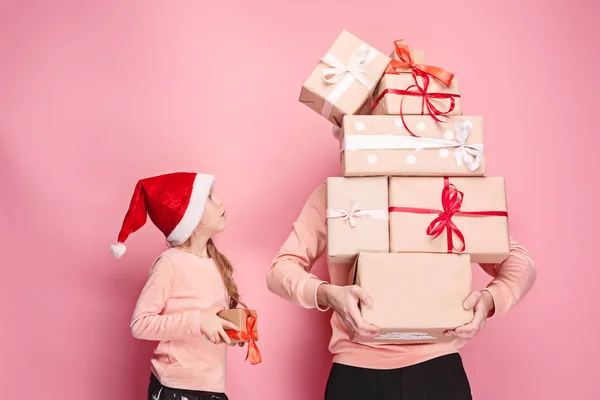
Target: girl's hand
x,y
482,303
213,327
344,301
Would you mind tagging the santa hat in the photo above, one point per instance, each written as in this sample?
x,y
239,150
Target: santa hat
x,y
174,202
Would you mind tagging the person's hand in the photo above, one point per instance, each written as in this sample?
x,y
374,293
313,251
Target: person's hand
x,y
482,303
344,301
213,327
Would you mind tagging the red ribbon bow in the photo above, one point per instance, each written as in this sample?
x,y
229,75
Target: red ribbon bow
x,y
421,91
451,202
424,72
406,61
250,336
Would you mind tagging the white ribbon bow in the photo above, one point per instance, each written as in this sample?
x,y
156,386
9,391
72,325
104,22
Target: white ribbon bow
x,y
470,154
343,76
357,67
356,212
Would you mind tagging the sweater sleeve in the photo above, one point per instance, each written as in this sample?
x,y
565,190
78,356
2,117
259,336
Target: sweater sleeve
x,y
148,321
289,275
513,278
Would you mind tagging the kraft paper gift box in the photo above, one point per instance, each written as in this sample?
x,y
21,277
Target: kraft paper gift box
x,y
409,87
245,319
450,215
240,317
344,78
374,145
407,94
416,297
357,217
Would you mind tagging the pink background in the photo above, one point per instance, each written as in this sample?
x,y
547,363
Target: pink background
x,y
94,95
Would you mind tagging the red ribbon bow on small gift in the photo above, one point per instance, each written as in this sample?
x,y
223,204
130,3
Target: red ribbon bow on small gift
x,y
451,202
418,71
406,61
420,91
250,336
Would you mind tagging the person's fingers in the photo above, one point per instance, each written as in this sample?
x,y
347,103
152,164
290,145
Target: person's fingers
x,y
362,295
361,327
467,328
229,325
214,338
472,299
475,324
354,315
349,322
461,335
224,336
368,330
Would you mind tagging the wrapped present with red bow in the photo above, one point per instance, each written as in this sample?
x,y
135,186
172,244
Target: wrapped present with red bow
x,y
357,217
450,215
344,79
410,87
246,320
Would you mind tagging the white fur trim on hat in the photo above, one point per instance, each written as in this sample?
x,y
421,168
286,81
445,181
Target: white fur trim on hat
x,y
193,214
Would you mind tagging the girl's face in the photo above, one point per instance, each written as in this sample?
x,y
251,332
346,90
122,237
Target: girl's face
x,y
213,219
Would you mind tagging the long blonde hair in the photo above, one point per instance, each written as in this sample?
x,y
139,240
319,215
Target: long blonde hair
x,y
225,269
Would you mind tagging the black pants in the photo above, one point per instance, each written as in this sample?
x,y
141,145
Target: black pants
x,y
442,378
156,391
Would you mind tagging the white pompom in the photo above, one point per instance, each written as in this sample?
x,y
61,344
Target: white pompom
x,y
118,250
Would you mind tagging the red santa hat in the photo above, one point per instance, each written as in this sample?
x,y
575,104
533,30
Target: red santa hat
x,y
174,202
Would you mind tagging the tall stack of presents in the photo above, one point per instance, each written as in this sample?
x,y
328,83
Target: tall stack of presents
x,y
413,207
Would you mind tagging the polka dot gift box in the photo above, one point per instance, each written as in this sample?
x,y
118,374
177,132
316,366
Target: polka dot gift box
x,y
383,145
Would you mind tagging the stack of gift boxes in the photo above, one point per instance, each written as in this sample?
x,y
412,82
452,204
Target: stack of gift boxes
x,y
412,209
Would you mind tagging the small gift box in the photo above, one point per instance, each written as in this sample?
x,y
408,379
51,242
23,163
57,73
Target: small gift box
x,y
357,217
246,320
450,215
344,78
409,87
416,94
416,297
382,145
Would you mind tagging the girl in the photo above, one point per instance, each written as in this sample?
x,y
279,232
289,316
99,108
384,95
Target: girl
x,y
186,288
379,371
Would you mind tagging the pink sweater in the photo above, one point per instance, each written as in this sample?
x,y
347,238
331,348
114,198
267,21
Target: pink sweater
x,y
289,277
168,310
